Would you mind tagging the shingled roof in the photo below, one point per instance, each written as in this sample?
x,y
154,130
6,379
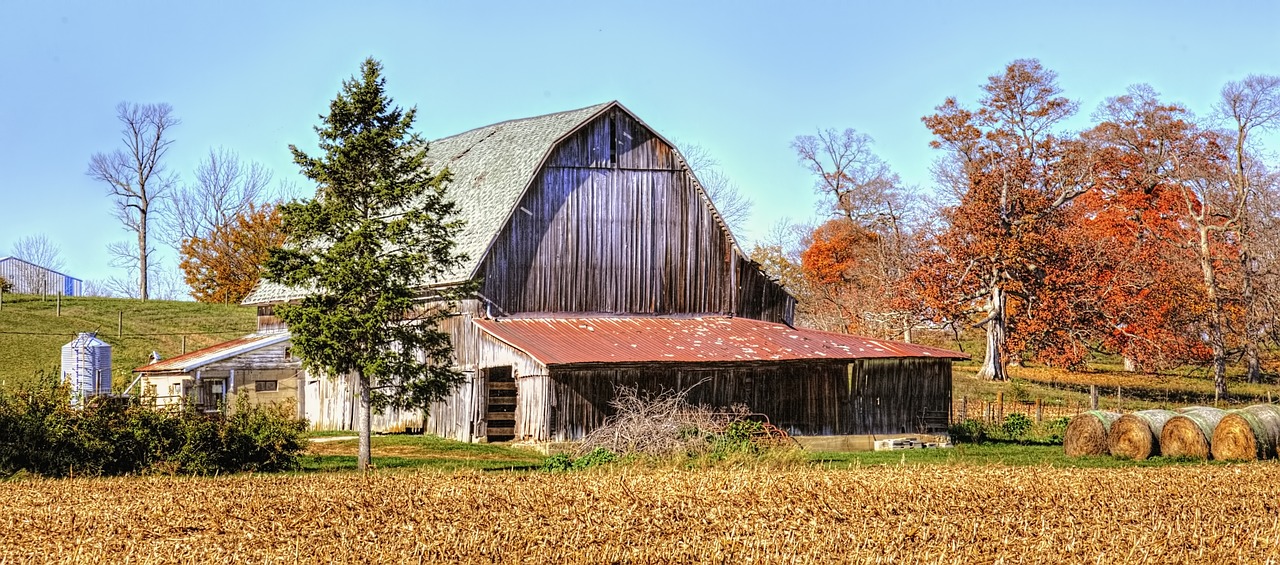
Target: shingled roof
x,y
492,167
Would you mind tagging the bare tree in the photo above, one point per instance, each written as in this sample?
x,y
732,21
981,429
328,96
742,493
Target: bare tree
x,y
224,188
733,205
1248,106
136,177
91,287
41,251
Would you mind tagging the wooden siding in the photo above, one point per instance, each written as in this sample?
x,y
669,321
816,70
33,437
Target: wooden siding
x,y
463,414
332,404
615,224
881,396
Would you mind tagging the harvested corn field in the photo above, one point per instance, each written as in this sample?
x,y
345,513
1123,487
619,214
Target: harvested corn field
x,y
895,514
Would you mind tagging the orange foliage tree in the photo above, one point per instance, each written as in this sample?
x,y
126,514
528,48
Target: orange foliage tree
x,y
1012,177
225,266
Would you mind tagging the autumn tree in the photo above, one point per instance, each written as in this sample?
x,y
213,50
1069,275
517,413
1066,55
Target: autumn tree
x,y
1151,306
136,180
856,260
379,229
224,266
1016,173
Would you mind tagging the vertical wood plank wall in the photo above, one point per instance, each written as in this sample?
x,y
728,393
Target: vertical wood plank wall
x,y
614,224
879,396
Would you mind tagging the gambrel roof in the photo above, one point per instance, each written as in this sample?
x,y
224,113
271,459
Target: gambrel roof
x,y
492,167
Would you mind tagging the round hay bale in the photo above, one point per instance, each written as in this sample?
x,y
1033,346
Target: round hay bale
x,y
1137,435
1188,433
1247,434
1087,433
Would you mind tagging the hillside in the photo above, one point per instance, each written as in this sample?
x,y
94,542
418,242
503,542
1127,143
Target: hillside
x,y
32,332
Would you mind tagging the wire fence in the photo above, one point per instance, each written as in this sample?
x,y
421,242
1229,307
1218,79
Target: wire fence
x,y
995,411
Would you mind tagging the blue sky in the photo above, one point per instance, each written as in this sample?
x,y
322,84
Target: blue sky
x,y
742,79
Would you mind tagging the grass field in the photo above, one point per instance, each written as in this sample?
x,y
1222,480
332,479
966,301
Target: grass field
x,y
883,514
32,333
428,453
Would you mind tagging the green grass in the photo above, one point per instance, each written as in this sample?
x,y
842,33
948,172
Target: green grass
x,y
985,454
420,453
32,333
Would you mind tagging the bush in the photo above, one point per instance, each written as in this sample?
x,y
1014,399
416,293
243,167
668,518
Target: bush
x,y
968,431
1016,425
41,434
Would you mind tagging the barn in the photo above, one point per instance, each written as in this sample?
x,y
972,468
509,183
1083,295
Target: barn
x,y
602,263
30,278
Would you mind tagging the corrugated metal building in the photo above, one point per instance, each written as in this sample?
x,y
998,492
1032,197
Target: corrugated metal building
x,y
602,263
29,278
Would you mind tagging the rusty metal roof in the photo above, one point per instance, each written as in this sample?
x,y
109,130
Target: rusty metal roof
x,y
569,341
199,358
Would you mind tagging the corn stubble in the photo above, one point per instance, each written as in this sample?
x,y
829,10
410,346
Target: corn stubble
x,y
872,515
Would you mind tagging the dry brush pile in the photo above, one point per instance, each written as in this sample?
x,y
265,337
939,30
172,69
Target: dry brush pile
x,y
881,515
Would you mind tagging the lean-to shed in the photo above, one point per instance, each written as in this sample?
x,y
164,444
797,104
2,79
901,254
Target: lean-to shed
x,y
602,262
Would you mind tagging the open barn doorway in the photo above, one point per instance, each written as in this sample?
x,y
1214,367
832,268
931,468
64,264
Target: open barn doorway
x,y
500,409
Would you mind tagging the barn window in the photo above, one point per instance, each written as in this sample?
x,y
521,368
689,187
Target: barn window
x,y
265,386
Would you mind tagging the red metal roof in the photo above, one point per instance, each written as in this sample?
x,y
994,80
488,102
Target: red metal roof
x,y
202,357
566,341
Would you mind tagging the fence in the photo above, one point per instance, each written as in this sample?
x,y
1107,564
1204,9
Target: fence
x,y
994,411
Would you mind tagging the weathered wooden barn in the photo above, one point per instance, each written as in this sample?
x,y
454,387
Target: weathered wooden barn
x,y
603,263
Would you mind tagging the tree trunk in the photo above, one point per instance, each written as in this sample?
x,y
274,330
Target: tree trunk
x,y
1253,365
142,253
1217,336
1130,364
365,417
993,367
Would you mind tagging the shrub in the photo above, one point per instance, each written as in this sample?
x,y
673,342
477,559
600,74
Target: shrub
x,y
41,434
968,431
1016,425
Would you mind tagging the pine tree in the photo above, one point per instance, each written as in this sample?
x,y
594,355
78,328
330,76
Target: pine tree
x,y
378,232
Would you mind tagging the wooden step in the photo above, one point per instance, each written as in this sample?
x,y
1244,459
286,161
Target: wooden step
x,y
502,401
502,386
500,417
507,431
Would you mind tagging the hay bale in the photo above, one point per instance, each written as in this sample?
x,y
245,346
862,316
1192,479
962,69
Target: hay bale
x,y
1087,433
1188,434
1137,435
1247,434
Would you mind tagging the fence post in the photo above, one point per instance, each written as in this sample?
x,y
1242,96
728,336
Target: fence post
x,y
120,325
1000,403
1093,397
1039,411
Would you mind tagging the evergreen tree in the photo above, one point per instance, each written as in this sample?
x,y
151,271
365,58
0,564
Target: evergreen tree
x,y
378,232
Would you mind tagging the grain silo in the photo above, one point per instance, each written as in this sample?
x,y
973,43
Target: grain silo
x,y
86,366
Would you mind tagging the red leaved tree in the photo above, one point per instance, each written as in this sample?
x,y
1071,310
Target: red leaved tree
x,y
1012,176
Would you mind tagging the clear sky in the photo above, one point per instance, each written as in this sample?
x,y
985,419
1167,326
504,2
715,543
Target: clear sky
x,y
740,78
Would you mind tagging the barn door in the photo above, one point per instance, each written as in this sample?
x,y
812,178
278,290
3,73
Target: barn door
x,y
500,410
